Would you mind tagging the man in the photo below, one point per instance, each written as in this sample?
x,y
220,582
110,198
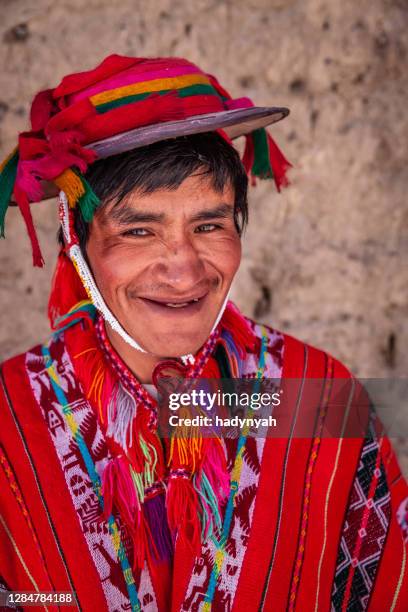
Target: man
x,y
153,202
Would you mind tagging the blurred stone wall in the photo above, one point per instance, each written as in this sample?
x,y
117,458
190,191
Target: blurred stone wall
x,y
325,261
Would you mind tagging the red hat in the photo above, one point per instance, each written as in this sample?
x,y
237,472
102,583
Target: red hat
x,y
122,104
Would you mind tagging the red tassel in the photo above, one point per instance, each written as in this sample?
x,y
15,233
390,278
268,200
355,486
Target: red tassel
x,y
279,164
183,512
66,289
225,136
248,158
141,540
24,205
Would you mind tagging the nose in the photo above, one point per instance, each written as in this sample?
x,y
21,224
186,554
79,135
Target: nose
x,y
181,266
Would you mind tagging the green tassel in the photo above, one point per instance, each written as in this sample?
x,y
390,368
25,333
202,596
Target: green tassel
x,y
7,180
89,201
262,165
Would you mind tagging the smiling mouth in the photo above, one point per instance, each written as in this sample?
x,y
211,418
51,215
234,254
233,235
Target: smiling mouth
x,y
172,304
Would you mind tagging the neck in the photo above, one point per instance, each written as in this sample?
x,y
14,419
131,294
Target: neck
x,y
140,364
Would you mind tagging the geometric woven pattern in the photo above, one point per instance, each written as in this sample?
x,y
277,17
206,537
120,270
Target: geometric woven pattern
x,y
364,532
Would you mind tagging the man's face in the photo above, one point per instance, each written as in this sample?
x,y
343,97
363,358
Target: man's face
x,y
164,263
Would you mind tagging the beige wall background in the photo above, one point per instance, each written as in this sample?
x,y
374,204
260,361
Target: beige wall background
x,y
325,261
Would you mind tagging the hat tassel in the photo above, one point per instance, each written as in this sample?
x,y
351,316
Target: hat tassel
x,y
78,191
263,159
24,205
8,173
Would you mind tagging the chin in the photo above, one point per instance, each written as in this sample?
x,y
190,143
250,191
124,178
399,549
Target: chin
x,y
169,346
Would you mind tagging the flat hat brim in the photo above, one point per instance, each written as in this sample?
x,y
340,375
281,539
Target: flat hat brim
x,y
235,123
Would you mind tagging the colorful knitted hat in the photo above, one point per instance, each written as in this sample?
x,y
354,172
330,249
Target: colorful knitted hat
x,y
122,104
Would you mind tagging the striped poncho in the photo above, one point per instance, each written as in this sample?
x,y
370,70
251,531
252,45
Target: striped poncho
x,y
312,523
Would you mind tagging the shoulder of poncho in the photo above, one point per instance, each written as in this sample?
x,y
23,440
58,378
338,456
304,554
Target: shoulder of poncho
x,y
17,363
14,376
16,367
293,345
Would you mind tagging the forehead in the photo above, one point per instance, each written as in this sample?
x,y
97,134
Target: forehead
x,y
195,194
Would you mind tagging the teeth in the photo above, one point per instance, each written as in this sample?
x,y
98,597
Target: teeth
x,y
177,305
171,305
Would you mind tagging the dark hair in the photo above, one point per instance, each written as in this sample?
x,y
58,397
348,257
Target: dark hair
x,y
165,165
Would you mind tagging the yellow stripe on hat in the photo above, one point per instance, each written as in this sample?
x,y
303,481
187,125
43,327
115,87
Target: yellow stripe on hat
x,y
149,86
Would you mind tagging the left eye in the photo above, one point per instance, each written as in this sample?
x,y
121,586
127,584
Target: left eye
x,y
207,227
137,231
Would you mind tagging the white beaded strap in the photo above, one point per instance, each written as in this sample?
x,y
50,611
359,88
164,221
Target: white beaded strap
x,y
88,281
189,358
221,312
77,258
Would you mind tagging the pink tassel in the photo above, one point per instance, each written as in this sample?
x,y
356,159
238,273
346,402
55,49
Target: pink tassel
x,y
117,485
215,469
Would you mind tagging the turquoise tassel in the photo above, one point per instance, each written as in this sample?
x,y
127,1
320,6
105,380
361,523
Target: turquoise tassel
x,y
7,180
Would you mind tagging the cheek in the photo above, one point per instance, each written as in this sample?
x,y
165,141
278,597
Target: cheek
x,y
112,269
225,255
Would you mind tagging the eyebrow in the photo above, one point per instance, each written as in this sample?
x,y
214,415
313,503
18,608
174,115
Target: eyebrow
x,y
223,211
128,216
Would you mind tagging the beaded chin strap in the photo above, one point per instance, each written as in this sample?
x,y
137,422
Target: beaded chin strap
x,y
75,254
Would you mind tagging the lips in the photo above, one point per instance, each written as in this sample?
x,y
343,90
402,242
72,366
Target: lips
x,y
180,304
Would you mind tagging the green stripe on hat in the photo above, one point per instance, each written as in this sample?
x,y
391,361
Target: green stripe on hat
x,y
184,92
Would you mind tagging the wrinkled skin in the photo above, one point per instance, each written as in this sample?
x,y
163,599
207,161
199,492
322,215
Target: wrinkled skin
x,y
169,247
